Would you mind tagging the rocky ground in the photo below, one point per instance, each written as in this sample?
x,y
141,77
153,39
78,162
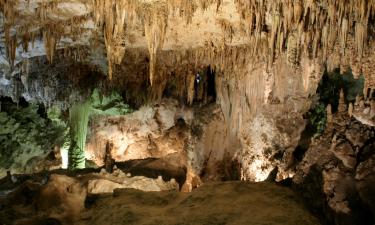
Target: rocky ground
x,y
92,199
336,176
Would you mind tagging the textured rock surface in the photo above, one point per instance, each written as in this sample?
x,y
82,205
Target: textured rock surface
x,y
65,84
235,203
226,34
64,197
270,130
338,167
28,139
196,142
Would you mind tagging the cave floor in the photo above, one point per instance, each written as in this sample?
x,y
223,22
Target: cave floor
x,y
214,204
65,200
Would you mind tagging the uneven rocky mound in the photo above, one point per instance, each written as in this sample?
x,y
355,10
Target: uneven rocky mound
x,y
64,197
63,200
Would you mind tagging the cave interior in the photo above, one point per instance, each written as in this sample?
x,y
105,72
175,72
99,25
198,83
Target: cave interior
x,y
199,112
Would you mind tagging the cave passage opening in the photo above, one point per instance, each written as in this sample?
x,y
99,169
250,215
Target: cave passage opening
x,y
333,82
328,92
195,88
205,86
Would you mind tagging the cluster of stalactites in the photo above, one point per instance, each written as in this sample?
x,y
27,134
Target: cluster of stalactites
x,y
9,16
180,68
112,16
21,30
316,25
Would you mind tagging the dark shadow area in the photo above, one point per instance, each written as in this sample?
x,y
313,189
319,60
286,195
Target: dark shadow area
x,y
205,87
312,191
211,84
304,142
6,103
331,84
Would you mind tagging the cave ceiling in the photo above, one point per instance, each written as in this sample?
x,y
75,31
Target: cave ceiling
x,y
225,34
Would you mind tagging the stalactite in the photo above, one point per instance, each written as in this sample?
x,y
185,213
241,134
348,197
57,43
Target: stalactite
x,y
11,48
325,41
275,31
9,16
50,40
292,50
190,88
343,34
155,20
112,16
26,41
185,9
228,29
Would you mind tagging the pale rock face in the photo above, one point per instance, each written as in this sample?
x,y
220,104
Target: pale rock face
x,y
198,143
256,160
269,130
133,135
107,183
364,112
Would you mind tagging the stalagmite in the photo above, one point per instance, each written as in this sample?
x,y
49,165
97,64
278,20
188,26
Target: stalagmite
x,y
333,143
342,106
329,114
350,109
361,103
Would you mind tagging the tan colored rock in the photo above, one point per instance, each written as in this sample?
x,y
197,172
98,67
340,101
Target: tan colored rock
x,y
98,186
350,109
346,154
